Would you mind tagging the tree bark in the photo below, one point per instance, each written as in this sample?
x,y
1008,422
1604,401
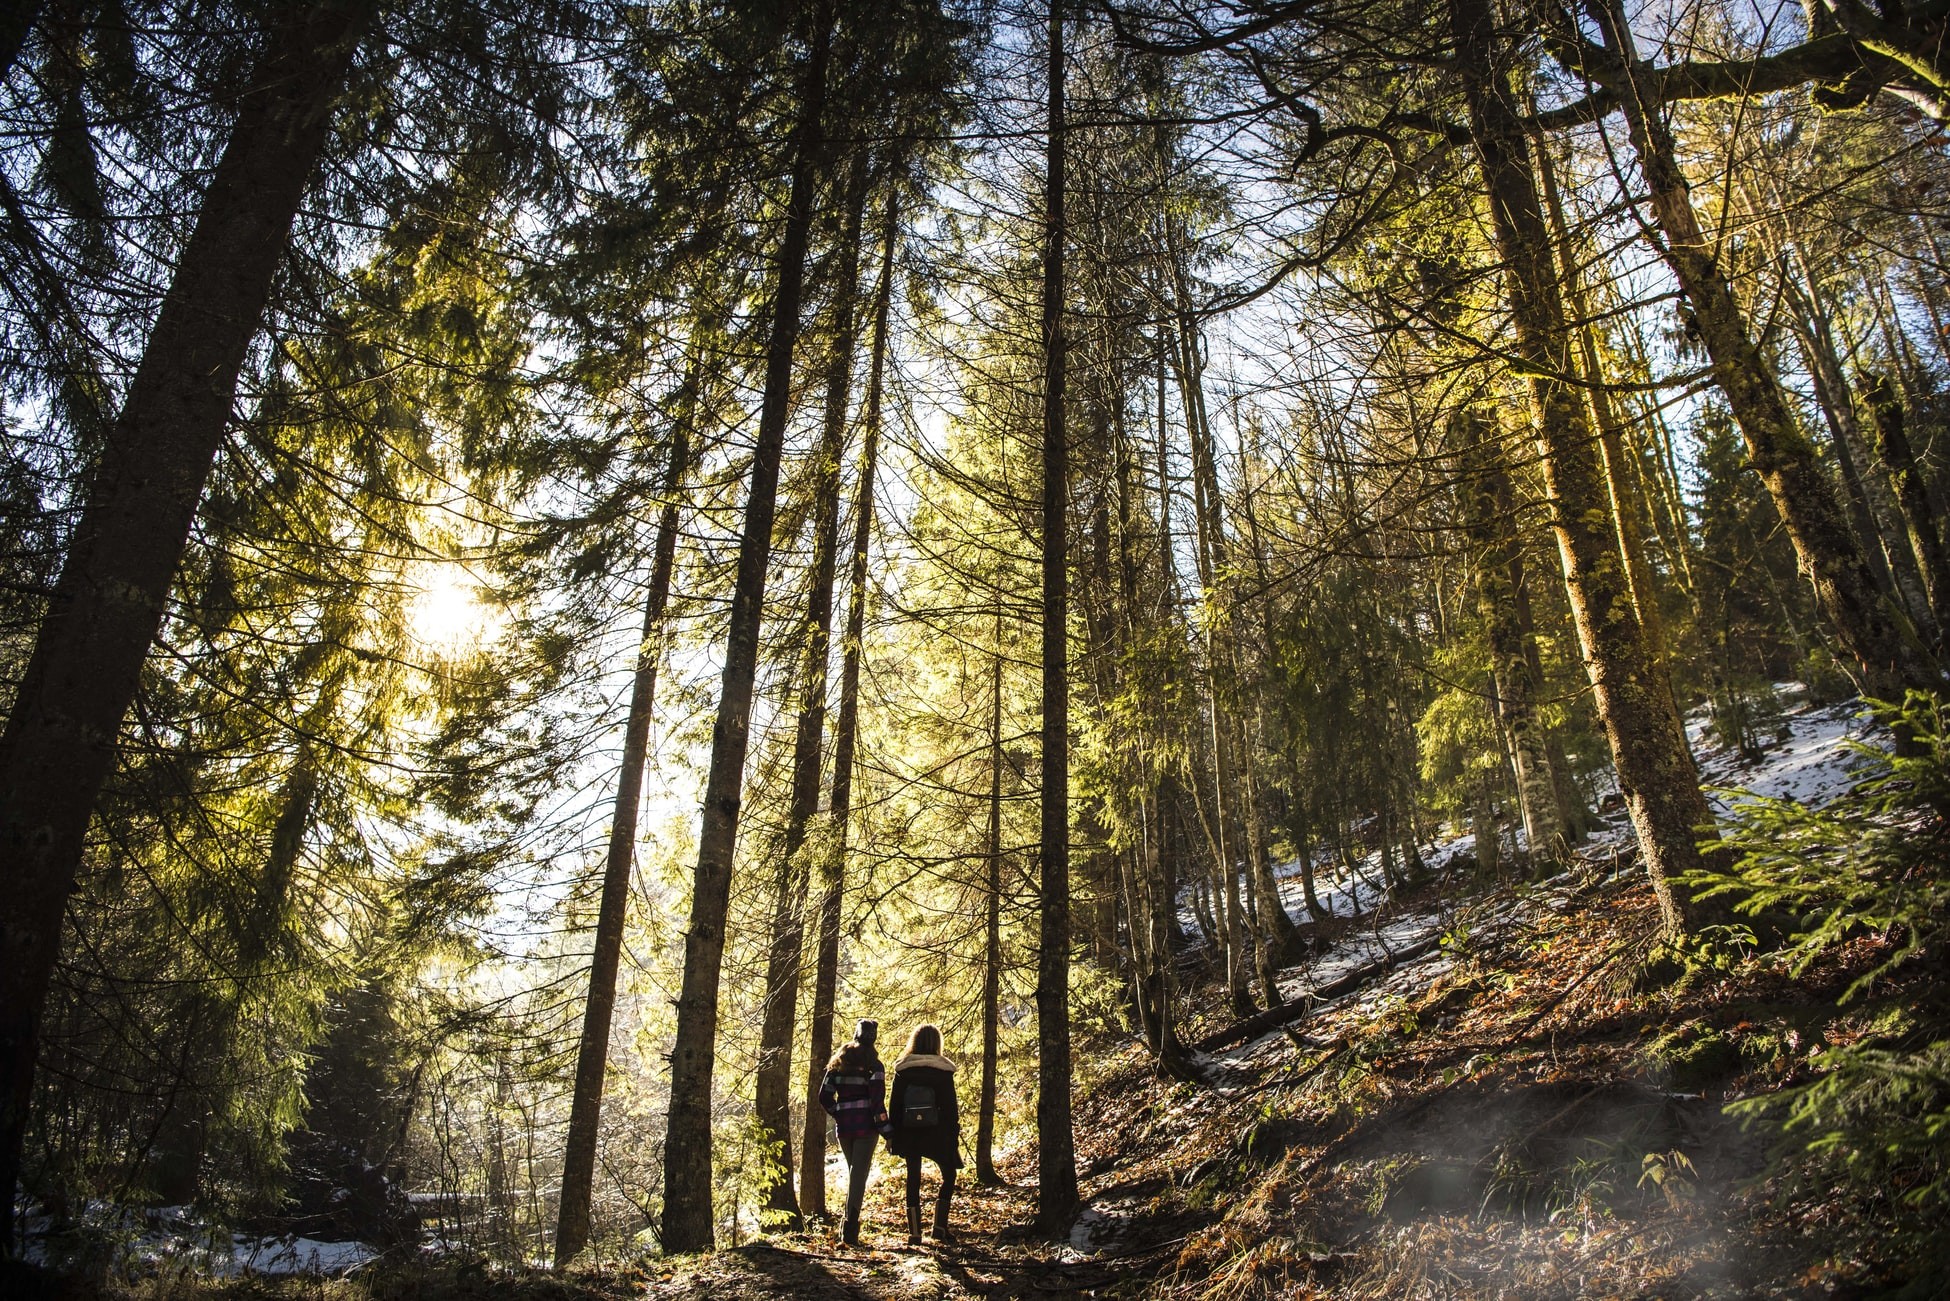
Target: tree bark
x,y
1303,842
985,1173
1837,405
1625,504
572,1225
1224,828
1056,1190
773,1083
846,733
1912,494
1277,926
60,743
1648,745
1489,504
689,1222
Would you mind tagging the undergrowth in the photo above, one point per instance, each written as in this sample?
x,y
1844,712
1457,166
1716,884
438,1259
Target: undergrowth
x,y
1874,1112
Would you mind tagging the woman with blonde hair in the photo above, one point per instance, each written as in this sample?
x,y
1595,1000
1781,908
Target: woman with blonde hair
x,y
927,1125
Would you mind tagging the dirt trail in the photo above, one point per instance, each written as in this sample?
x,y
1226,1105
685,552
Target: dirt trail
x,y
992,1256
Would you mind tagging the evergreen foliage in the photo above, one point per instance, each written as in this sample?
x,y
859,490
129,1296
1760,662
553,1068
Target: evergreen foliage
x,y
434,473
1876,1111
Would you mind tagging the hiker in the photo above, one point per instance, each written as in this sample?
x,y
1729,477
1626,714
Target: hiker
x,y
854,1093
927,1124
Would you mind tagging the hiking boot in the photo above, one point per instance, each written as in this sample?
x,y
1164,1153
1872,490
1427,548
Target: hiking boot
x,y
914,1224
850,1232
940,1231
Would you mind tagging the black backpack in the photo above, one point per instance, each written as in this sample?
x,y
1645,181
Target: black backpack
x,y
918,1110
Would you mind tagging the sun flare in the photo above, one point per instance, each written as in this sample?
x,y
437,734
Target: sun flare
x,y
445,613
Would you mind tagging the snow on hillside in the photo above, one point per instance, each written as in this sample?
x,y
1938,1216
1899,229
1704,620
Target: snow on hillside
x,y
172,1240
1813,762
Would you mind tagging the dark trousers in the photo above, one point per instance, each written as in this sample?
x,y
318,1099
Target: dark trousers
x,y
859,1160
914,1184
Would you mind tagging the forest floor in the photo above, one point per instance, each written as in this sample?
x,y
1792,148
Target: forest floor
x,y
1506,1114
1505,1111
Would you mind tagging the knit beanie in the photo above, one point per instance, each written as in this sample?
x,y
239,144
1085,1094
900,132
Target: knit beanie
x,y
864,1032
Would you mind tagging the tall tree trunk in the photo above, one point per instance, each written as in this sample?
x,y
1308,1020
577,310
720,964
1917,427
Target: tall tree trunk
x,y
846,734
991,934
1837,405
1876,513
1056,1164
1876,636
1280,930
772,1086
1895,339
1676,535
1489,505
1224,828
1482,826
1303,843
1648,745
572,1224
1234,793
60,743
688,1218
1150,898
1912,493
1225,850
1137,924
1625,504
1160,887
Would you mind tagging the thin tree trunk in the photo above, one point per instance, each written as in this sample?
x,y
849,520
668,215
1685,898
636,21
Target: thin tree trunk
x,y
1137,926
1209,525
60,742
1151,898
1625,504
772,1086
1488,513
1280,930
572,1224
1929,279
1233,802
1655,767
1837,405
689,1222
1161,890
846,734
1208,925
1482,826
985,1173
1895,340
1912,581
1887,652
1869,498
1912,494
1308,891
1056,1190
1677,534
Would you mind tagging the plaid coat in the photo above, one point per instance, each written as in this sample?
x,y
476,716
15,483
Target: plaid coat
x,y
854,1093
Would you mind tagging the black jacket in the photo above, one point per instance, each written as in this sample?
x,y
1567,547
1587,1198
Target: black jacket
x,y
940,1142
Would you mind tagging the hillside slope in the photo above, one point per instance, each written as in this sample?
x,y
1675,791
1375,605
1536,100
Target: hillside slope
x,y
1501,1112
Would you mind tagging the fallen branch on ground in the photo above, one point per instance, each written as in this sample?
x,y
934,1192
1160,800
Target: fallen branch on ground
x,y
1287,1013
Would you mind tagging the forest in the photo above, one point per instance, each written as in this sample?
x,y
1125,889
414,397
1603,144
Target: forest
x,y
1351,597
